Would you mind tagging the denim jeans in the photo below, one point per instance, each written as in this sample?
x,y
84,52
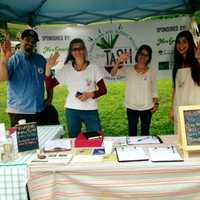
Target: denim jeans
x,y
75,118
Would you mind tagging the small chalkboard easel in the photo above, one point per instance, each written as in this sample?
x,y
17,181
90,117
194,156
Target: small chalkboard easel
x,y
27,137
189,129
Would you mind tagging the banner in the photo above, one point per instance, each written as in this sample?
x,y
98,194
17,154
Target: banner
x,y
105,42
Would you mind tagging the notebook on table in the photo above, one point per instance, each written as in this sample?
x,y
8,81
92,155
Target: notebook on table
x,y
58,145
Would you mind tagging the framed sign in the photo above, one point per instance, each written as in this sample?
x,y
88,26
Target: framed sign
x,y
189,128
27,137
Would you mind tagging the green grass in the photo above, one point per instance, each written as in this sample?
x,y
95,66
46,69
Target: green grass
x,y
111,108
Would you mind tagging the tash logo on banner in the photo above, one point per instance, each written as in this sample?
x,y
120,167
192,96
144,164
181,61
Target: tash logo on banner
x,y
108,45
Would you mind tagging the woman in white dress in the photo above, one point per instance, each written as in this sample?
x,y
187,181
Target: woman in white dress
x,y
186,73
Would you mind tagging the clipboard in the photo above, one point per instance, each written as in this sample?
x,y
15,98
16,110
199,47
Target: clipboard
x,y
164,154
130,154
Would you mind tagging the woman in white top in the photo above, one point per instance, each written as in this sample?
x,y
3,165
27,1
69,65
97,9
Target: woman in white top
x,y
85,83
141,99
186,73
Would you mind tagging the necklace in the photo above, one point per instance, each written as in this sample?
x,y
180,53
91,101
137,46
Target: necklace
x,y
80,67
140,70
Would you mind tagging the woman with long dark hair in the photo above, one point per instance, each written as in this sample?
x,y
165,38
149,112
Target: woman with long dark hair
x,y
186,73
85,83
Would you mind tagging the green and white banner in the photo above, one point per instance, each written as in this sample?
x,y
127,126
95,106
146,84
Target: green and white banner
x,y
106,42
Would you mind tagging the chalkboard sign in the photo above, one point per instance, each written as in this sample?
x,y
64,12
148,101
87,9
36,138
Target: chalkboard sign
x,y
27,137
189,128
192,126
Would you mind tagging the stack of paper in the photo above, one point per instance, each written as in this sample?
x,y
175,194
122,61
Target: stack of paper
x,y
59,158
144,140
57,145
119,141
127,153
162,154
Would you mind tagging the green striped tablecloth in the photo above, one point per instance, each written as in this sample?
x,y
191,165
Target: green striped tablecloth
x,y
14,175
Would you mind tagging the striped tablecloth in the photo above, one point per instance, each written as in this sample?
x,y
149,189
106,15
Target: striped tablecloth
x,y
113,180
14,175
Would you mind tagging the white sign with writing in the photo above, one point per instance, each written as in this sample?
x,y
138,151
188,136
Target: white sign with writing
x,y
105,42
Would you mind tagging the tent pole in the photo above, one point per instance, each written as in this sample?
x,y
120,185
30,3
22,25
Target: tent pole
x,y
192,6
3,25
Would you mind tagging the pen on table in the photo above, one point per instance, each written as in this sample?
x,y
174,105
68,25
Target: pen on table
x,y
173,149
141,139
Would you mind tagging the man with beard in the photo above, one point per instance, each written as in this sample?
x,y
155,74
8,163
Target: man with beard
x,y
25,74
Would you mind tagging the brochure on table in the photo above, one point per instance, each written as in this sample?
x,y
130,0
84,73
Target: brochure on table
x,y
55,157
98,151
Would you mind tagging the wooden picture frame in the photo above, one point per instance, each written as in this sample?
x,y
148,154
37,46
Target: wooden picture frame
x,y
189,129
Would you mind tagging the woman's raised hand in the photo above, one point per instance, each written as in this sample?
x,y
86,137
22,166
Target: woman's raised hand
x,y
123,58
197,51
119,61
52,60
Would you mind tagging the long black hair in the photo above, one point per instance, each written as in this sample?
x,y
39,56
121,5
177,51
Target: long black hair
x,y
189,60
74,41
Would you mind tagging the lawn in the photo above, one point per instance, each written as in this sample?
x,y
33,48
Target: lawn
x,y
111,108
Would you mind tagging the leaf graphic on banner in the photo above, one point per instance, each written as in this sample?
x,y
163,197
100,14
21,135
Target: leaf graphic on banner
x,y
103,44
114,40
109,42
